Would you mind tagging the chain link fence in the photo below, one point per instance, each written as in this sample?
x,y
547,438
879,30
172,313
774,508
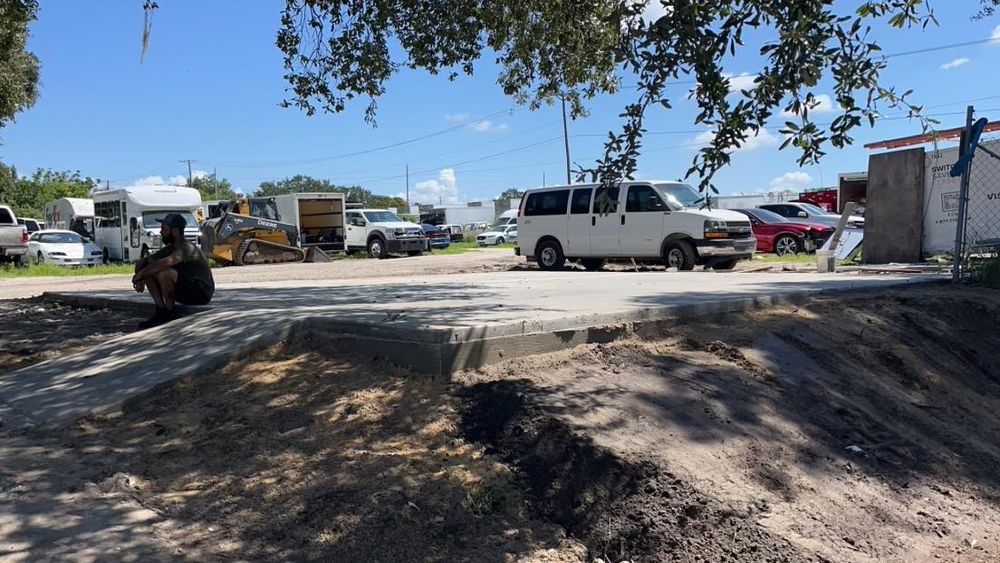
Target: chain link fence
x,y
978,239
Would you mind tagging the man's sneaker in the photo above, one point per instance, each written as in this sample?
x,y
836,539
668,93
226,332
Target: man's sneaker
x,y
158,318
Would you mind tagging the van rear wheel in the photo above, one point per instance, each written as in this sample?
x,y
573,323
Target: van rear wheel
x,y
679,254
549,256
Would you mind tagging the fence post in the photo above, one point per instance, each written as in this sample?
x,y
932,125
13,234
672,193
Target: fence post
x,y
963,198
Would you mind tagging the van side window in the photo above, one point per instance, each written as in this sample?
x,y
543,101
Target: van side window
x,y
546,203
581,201
643,198
606,200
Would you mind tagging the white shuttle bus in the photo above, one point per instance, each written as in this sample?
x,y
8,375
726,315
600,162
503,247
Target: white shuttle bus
x,y
127,218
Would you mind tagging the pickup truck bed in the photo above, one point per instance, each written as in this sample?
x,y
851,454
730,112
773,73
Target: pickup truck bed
x,y
13,237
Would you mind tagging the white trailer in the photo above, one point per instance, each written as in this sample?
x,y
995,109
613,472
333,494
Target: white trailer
x,y
71,214
128,225
320,217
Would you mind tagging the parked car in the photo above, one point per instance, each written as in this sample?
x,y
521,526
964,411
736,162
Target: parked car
x,y
31,225
494,237
380,231
13,237
63,248
437,237
646,220
456,232
784,237
799,210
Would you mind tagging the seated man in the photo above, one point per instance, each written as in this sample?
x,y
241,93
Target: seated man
x,y
177,273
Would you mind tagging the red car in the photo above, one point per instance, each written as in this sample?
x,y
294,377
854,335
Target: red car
x,y
779,235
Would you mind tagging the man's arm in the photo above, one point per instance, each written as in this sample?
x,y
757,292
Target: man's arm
x,y
154,267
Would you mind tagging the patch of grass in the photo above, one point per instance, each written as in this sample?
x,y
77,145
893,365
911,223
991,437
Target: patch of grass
x,y
987,272
497,493
798,259
51,270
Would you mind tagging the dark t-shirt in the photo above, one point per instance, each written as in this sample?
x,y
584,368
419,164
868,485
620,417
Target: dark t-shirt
x,y
193,266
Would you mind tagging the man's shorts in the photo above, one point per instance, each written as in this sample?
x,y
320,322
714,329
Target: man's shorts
x,y
191,292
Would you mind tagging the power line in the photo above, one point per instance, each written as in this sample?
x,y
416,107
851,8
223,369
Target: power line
x,y
365,151
885,57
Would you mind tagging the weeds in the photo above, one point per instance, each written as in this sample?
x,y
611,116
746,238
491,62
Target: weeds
x,y
51,270
987,272
497,492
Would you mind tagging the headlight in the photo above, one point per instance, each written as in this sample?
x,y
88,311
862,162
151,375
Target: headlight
x,y
716,229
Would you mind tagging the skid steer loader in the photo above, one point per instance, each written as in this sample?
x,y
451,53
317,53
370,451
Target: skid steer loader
x,y
238,238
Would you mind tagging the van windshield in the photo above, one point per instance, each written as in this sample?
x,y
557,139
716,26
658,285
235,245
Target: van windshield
x,y
679,196
151,219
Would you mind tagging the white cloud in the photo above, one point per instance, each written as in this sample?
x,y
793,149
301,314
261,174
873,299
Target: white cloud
x,y
178,180
961,61
150,181
744,81
442,190
754,141
820,104
487,126
791,181
457,117
996,35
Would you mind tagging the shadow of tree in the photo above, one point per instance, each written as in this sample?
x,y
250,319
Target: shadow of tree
x,y
297,457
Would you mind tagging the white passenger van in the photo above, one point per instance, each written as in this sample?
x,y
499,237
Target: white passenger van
x,y
645,220
127,218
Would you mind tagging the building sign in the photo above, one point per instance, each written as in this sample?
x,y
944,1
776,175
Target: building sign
x,y
941,195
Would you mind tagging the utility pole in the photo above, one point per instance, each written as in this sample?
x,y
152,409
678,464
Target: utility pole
x,y
407,186
543,178
215,182
566,141
190,177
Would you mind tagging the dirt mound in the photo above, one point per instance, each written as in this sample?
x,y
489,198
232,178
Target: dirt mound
x,y
621,509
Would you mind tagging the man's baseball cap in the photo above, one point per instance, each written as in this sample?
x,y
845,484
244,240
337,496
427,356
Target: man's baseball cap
x,y
174,221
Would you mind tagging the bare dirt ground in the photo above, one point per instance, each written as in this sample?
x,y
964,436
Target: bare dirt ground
x,y
850,428
34,330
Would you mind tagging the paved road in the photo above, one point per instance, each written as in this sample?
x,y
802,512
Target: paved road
x,y
426,312
481,260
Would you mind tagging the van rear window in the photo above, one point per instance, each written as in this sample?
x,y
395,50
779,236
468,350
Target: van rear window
x,y
546,203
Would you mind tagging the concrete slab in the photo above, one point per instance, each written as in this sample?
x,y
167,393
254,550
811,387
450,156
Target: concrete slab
x,y
433,324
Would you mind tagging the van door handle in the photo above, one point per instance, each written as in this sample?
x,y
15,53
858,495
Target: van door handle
x,y
623,219
593,221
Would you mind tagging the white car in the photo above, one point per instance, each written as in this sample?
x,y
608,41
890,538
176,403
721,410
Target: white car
x,y
497,236
63,248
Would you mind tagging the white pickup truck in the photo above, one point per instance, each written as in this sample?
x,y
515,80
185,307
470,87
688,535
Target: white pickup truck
x,y
380,232
13,237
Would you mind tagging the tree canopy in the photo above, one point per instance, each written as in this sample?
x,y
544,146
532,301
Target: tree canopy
x,y
28,195
19,68
339,50
511,193
211,188
307,184
298,184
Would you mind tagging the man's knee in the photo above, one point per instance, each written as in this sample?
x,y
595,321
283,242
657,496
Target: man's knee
x,y
167,278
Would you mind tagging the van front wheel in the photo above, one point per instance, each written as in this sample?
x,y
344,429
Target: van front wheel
x,y
679,254
550,256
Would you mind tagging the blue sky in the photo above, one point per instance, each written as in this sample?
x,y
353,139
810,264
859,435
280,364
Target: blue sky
x,y
211,83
